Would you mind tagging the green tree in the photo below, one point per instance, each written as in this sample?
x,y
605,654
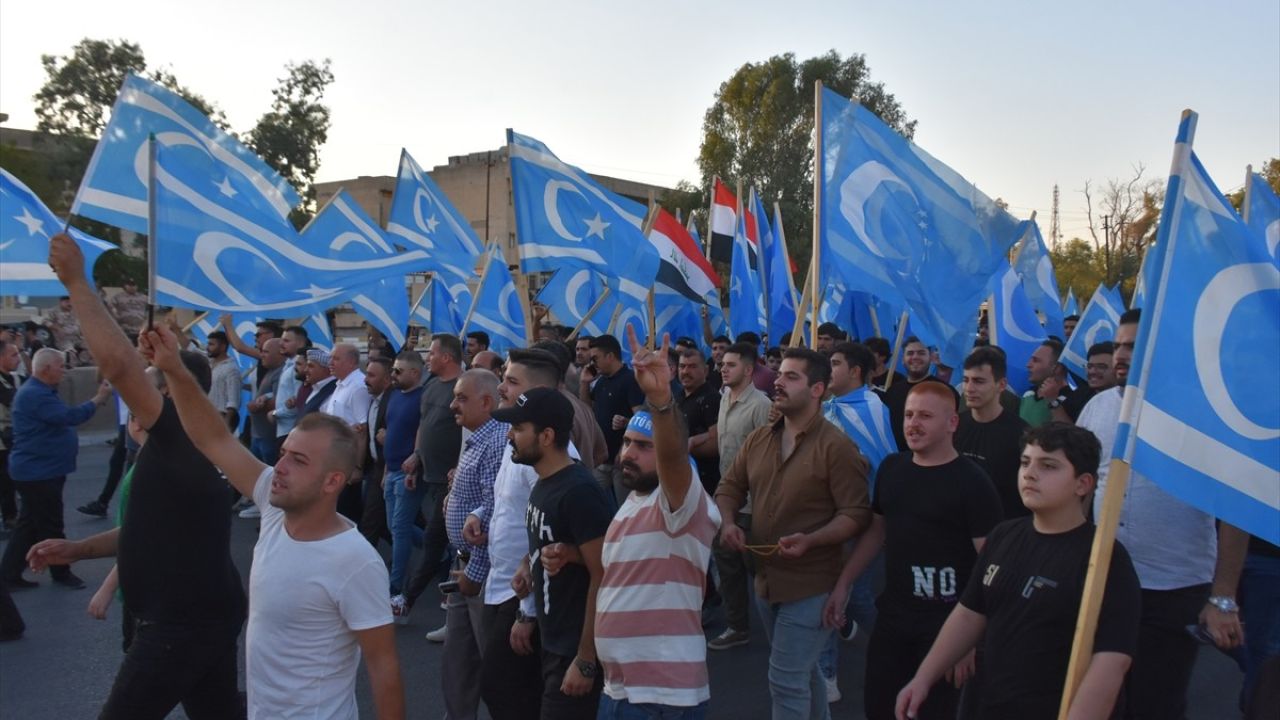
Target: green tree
x,y
1077,267
289,136
759,130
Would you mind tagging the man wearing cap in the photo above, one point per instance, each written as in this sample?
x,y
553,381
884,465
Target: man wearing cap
x,y
129,308
567,506
320,383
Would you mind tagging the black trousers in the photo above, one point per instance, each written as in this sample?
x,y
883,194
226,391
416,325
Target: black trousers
x,y
1156,686
39,519
115,468
169,665
11,624
435,544
510,684
373,518
558,706
894,653
8,496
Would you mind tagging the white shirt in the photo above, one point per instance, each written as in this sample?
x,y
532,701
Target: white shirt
x,y
350,399
306,601
1172,544
508,538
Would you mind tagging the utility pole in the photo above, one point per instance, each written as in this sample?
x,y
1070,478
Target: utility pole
x,y
1055,230
1106,248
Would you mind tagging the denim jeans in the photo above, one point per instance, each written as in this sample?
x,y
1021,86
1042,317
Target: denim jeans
x,y
797,638
402,510
861,608
611,709
1260,612
264,449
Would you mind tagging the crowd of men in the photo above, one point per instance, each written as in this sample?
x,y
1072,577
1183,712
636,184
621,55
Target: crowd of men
x,y
586,518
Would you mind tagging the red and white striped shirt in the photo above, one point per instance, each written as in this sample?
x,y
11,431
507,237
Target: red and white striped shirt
x,y
649,610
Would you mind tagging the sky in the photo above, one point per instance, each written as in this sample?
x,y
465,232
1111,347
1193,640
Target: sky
x,y
1015,96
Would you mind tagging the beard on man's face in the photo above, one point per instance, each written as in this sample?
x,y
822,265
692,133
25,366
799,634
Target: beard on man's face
x,y
634,479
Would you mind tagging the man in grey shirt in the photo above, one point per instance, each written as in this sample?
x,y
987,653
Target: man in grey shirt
x,y
435,453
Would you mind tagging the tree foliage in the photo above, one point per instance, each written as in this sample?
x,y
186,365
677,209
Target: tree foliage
x,y
1076,264
289,136
1123,214
759,130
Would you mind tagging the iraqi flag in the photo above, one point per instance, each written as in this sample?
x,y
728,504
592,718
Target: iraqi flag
x,y
724,217
683,267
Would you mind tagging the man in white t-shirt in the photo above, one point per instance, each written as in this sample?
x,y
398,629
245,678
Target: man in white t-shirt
x,y
317,588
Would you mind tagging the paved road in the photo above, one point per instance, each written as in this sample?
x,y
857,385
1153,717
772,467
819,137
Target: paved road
x,y
64,666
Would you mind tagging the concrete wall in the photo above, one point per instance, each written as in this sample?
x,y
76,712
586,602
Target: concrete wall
x,y
80,384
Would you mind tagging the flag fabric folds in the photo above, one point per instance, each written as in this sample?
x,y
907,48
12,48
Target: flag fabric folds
x,y
565,218
114,187
1263,213
1070,307
422,216
215,251
746,297
1198,419
26,226
776,270
722,221
319,331
1035,267
1097,324
445,306
497,309
1014,327
683,267
342,231
906,228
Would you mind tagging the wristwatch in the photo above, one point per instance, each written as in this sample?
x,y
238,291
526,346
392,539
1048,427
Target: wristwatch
x,y
586,668
656,410
522,618
1056,403
1224,604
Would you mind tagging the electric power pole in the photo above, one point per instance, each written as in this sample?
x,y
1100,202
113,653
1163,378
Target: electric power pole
x,y
1055,230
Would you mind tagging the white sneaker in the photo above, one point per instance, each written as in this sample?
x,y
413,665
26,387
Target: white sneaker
x,y
849,630
399,610
251,512
833,690
438,635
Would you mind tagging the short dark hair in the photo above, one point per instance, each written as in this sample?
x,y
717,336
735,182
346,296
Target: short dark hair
x,y
750,337
817,366
271,326
1081,447
217,335
831,330
581,337
382,360
992,358
1106,347
342,441
1131,316
479,336
1071,317
300,332
1055,346
556,349
693,353
198,365
911,339
856,355
773,352
450,345
412,357
721,339
878,347
541,364
608,344
746,351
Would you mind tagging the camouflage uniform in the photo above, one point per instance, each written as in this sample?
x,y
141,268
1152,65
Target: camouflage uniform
x,y
130,311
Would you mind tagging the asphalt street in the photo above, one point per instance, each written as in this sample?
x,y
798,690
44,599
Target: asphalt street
x,y
64,666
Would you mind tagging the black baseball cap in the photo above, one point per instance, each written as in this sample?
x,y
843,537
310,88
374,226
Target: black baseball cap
x,y
543,406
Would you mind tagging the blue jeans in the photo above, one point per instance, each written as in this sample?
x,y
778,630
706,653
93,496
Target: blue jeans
x,y
265,450
861,608
797,638
1260,613
402,510
611,709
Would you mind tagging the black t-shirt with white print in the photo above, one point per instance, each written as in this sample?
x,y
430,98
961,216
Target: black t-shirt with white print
x,y
568,507
931,515
1029,584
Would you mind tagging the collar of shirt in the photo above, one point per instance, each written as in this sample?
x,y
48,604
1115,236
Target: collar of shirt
x,y
483,433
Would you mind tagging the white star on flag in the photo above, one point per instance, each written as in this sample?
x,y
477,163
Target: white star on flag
x,y
432,222
596,226
34,224
225,187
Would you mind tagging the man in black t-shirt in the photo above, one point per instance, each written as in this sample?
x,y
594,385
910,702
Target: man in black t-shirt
x,y
989,433
1025,593
932,510
610,387
173,551
880,348
700,404
565,506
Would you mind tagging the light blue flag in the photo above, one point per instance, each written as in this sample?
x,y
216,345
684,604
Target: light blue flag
x,y
319,331
1015,327
445,306
1145,272
1071,307
715,313
245,327
865,419
1097,324
26,226
342,231
497,307
114,188
1198,418
215,251
566,219
422,217
906,228
571,293
1035,267
777,270
1263,213
746,301
678,316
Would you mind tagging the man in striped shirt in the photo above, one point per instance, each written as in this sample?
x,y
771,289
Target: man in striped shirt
x,y
648,613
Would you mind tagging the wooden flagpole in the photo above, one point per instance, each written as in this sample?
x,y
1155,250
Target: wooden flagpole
x,y
797,331
475,299
875,321
711,210
645,227
653,321
1244,204
592,311
425,289
815,262
187,328
649,219
761,267
897,350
